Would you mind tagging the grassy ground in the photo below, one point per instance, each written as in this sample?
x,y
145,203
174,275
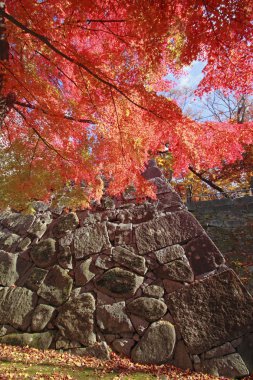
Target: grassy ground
x,y
28,363
30,371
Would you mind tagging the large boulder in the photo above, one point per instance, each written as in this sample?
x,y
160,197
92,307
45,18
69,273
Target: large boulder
x,y
129,260
16,307
113,318
229,366
37,340
157,344
118,282
65,223
75,319
205,323
177,270
90,239
44,254
148,308
8,272
167,230
56,287
41,317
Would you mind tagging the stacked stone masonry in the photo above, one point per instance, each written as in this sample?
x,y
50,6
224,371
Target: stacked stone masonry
x,y
143,280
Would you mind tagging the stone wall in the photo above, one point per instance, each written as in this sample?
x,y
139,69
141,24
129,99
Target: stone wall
x,y
228,222
143,280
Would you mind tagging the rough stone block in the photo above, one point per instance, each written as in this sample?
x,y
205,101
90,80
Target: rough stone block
x,y
229,366
148,308
118,282
168,254
41,341
65,223
41,317
171,229
177,270
90,239
56,287
123,346
75,319
83,274
153,291
43,254
211,312
16,307
129,260
113,318
8,272
203,255
157,344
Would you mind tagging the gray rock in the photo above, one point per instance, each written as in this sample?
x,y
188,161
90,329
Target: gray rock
x,y
39,226
24,244
103,299
6,329
41,317
153,291
205,325
41,341
171,286
181,357
89,240
18,223
124,232
34,278
16,307
157,344
171,253
223,350
123,346
113,318
203,255
9,241
75,319
229,366
67,239
65,344
245,349
104,262
64,257
98,350
118,282
148,308
140,324
83,273
171,229
129,260
8,272
43,254
67,222
40,206
177,270
56,287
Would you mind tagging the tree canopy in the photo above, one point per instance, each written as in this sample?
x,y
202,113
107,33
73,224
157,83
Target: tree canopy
x,y
81,87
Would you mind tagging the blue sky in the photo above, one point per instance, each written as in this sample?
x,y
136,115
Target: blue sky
x,y
192,75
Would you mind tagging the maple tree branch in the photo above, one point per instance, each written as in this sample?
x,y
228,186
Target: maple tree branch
x,y
31,106
120,132
46,41
33,155
208,182
50,146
